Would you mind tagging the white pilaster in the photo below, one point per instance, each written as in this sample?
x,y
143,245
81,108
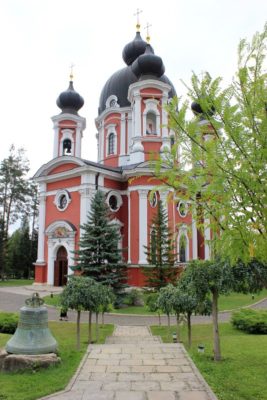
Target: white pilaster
x,y
164,199
207,237
164,116
50,264
129,228
123,133
137,115
194,239
142,225
78,146
41,222
86,198
55,149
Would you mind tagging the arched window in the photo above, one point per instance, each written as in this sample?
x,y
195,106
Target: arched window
x,y
66,147
182,248
111,143
151,124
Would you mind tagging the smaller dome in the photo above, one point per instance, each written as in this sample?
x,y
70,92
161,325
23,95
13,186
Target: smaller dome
x,y
148,64
196,108
70,101
134,49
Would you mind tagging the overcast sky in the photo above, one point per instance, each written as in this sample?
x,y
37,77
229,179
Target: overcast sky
x,y
41,38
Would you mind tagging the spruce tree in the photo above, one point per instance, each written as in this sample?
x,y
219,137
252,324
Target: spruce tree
x,y
98,255
160,252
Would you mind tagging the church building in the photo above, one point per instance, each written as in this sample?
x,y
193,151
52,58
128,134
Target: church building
x,y
131,125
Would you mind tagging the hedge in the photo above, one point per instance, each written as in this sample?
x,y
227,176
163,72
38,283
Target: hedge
x,y
8,322
250,321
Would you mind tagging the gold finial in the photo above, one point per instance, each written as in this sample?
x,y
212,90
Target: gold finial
x,y
138,12
147,32
71,71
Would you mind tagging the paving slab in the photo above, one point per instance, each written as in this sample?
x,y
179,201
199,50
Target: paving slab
x,y
136,366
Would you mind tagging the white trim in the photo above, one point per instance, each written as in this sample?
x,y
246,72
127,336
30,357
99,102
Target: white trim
x,y
123,135
194,239
111,128
129,227
183,232
148,83
41,223
151,107
67,134
118,197
59,194
110,99
142,225
56,134
69,117
178,208
55,242
207,238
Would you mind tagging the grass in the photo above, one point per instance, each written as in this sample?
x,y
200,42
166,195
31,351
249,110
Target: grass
x,y
242,373
31,386
229,302
16,282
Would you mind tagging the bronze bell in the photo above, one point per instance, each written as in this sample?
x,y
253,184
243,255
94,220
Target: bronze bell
x,y
32,335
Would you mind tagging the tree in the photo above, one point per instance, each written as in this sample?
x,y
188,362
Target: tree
x,y
14,194
225,148
73,297
209,277
160,253
99,256
153,305
165,300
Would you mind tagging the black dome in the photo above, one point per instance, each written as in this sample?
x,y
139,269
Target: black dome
x,y
118,85
134,49
197,109
148,64
70,101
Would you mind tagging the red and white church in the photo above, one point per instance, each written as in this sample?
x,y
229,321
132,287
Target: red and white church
x,y
131,124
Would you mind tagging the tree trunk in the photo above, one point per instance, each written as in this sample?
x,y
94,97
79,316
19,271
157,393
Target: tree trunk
x,y
78,333
103,318
189,329
178,327
169,322
97,327
216,337
90,328
159,319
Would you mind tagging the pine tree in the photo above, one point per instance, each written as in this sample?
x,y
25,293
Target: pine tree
x,y
160,252
99,256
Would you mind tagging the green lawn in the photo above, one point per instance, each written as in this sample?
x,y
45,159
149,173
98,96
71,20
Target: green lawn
x,y
242,373
16,282
230,302
30,386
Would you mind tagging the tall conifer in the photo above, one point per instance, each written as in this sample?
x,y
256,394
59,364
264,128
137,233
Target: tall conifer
x,y
99,256
160,253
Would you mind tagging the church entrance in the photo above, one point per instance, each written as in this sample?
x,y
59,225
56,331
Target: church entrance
x,y
61,267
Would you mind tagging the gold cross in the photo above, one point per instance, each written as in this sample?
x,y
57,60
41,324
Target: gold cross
x,y
71,71
138,12
147,32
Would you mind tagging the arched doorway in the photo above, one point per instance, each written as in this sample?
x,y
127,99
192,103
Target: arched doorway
x,y
61,267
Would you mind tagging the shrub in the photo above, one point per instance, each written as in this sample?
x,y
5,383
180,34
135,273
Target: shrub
x,y
250,321
134,298
152,302
8,322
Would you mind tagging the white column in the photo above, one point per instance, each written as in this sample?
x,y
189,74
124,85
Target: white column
x,y
207,237
129,228
41,223
86,198
194,239
123,132
56,144
78,144
142,225
50,264
129,128
164,199
137,115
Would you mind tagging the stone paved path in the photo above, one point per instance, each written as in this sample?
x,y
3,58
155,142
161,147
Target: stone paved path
x,y
134,365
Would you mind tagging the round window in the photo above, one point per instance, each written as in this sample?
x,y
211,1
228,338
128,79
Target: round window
x,y
182,208
113,203
62,200
154,200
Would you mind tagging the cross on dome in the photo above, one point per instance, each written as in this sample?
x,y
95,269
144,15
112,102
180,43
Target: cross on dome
x,y
71,71
138,12
147,32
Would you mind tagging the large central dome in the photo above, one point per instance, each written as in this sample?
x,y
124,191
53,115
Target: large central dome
x,y
118,84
